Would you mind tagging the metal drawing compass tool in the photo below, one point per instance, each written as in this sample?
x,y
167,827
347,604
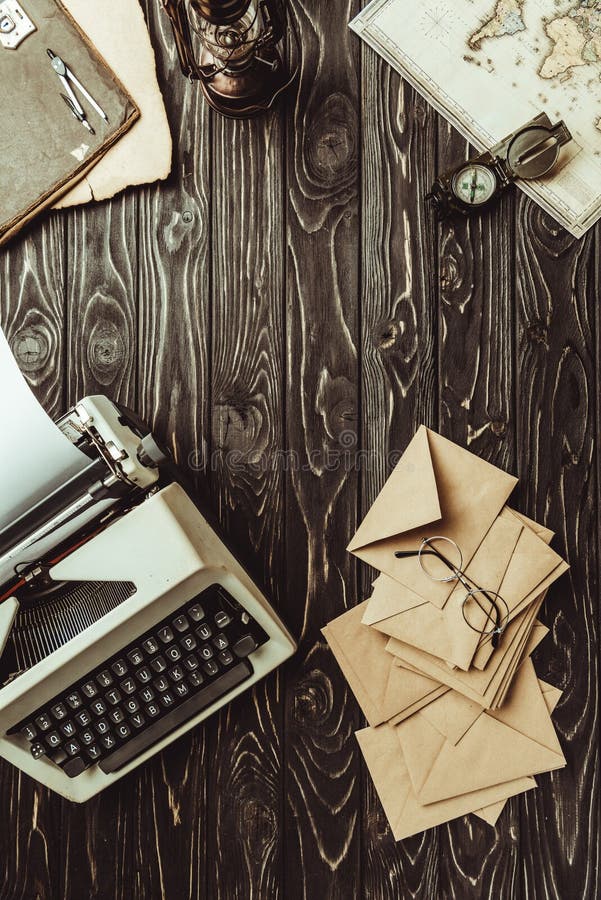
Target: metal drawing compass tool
x,y
67,78
528,153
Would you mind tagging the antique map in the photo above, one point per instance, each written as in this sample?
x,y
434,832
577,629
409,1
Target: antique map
x,y
524,57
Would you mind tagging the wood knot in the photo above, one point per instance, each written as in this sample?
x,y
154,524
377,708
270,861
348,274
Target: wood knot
x,y
31,348
259,821
336,404
450,276
106,351
331,143
238,427
498,428
537,332
386,334
313,700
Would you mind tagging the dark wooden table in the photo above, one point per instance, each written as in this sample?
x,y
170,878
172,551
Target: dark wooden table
x,y
286,312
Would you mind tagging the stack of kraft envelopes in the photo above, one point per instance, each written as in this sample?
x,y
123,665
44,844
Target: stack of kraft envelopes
x,y
458,720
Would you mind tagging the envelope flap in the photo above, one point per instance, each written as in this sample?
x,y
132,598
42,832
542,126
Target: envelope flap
x,y
453,715
408,500
388,599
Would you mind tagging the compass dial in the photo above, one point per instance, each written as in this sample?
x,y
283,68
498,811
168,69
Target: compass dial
x,y
474,184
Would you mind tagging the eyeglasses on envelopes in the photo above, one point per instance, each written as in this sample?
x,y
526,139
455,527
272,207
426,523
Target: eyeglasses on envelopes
x,y
483,610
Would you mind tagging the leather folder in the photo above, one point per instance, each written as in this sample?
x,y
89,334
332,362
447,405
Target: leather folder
x,y
45,150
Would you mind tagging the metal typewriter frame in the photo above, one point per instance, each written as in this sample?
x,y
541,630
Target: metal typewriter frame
x,y
167,548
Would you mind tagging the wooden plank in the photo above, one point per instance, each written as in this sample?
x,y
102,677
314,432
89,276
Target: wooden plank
x,y
32,317
477,391
166,799
323,791
557,296
247,347
398,368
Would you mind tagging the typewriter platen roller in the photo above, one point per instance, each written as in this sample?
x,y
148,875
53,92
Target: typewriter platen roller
x,y
99,560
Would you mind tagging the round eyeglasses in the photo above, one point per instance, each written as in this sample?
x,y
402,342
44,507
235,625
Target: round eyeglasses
x,y
483,610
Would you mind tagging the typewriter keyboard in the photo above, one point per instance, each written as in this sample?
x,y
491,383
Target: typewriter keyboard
x,y
152,686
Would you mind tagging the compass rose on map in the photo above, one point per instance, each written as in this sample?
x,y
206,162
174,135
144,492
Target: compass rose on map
x,y
434,23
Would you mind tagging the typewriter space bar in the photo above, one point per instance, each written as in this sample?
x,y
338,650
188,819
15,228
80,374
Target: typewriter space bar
x,y
187,710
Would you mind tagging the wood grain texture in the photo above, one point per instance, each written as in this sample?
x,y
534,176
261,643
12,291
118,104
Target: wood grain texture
x,y
247,441
399,301
557,291
476,374
322,788
286,312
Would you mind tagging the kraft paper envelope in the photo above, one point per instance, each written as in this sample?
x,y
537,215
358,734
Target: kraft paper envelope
x,y
437,488
382,689
400,613
487,687
405,813
516,741
511,560
490,814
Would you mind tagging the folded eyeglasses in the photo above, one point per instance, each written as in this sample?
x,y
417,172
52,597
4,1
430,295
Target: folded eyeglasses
x,y
441,560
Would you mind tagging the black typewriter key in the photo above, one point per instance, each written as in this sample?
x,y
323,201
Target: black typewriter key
x,y
89,689
113,696
123,731
83,718
181,624
72,748
128,686
119,668
191,663
29,731
116,715
226,657
195,679
196,612
44,722
161,684
221,642
59,711
108,741
144,675
73,700
104,679
176,673
37,750
94,751
74,767
173,653
188,643
137,720
204,632
135,657
222,619
211,667
245,646
165,634
53,739
158,664
87,737
206,651
166,700
132,705
181,689
150,645
147,694
68,729
102,726
153,710
98,707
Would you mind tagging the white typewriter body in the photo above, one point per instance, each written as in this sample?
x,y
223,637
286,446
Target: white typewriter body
x,y
167,549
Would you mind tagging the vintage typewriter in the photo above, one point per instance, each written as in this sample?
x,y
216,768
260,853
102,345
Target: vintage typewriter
x,y
125,619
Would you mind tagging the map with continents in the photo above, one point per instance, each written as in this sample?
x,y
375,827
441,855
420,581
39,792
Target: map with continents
x,y
489,66
574,35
